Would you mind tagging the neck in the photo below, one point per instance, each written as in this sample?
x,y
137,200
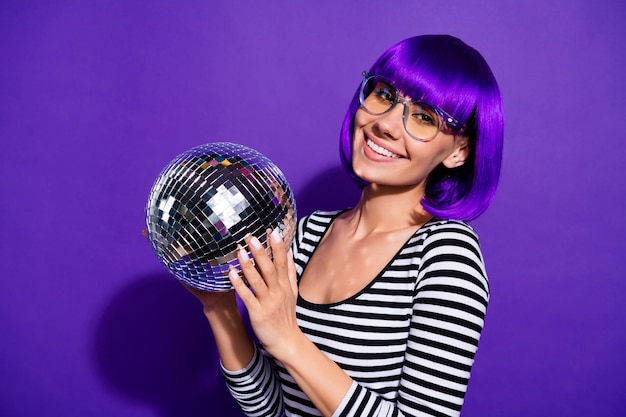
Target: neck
x,y
385,209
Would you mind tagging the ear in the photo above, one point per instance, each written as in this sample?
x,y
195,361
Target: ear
x,y
459,154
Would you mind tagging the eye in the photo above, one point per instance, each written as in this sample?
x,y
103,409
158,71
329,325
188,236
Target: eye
x,y
424,117
384,92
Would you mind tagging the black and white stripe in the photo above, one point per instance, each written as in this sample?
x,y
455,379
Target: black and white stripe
x,y
408,339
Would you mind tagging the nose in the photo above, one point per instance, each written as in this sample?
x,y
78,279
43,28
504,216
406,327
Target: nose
x,y
390,124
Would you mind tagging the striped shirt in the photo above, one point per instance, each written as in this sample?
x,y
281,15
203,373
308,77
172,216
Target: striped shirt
x,y
407,340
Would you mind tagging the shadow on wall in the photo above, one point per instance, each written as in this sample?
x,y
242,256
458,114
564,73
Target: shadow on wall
x,y
154,346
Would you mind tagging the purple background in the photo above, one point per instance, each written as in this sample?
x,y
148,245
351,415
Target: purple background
x,y
97,96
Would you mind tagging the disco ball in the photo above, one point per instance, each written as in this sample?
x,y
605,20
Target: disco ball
x,y
203,204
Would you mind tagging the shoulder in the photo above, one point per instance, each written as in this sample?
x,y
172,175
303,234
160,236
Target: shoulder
x,y
310,231
318,221
438,233
448,233
452,248
321,216
437,227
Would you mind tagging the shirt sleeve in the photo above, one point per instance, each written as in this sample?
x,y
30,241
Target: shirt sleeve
x,y
256,388
449,305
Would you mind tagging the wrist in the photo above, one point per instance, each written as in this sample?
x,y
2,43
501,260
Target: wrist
x,y
223,309
234,345
214,303
290,351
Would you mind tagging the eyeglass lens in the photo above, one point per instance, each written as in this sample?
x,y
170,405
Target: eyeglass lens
x,y
378,97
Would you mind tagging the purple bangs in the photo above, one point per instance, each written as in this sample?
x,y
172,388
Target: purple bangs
x,y
445,72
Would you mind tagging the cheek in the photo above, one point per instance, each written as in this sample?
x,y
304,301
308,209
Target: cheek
x,y
362,118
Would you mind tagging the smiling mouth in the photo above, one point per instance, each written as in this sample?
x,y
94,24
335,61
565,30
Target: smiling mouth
x,y
380,150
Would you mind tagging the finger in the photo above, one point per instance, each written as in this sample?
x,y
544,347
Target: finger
x,y
241,289
279,253
262,261
255,280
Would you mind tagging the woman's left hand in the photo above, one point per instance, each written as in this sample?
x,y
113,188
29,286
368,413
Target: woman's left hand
x,y
272,293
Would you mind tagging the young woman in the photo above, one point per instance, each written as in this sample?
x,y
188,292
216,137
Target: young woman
x,y
379,308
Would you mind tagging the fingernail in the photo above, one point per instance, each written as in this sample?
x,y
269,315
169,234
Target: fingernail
x,y
277,235
233,274
243,255
254,243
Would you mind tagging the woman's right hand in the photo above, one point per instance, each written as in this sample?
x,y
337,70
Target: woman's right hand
x,y
212,301
209,300
234,344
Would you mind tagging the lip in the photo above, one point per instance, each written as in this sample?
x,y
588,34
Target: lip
x,y
372,154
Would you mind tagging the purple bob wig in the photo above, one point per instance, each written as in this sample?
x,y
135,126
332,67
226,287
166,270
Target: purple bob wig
x,y
444,71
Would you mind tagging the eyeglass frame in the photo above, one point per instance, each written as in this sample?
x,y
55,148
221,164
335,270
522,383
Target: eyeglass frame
x,y
446,119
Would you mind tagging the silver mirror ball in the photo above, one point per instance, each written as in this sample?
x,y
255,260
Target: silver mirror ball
x,y
203,204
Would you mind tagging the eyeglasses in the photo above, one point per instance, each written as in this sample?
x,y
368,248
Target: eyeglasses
x,y
422,121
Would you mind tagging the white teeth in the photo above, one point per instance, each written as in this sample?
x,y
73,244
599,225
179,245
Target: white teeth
x,y
380,150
